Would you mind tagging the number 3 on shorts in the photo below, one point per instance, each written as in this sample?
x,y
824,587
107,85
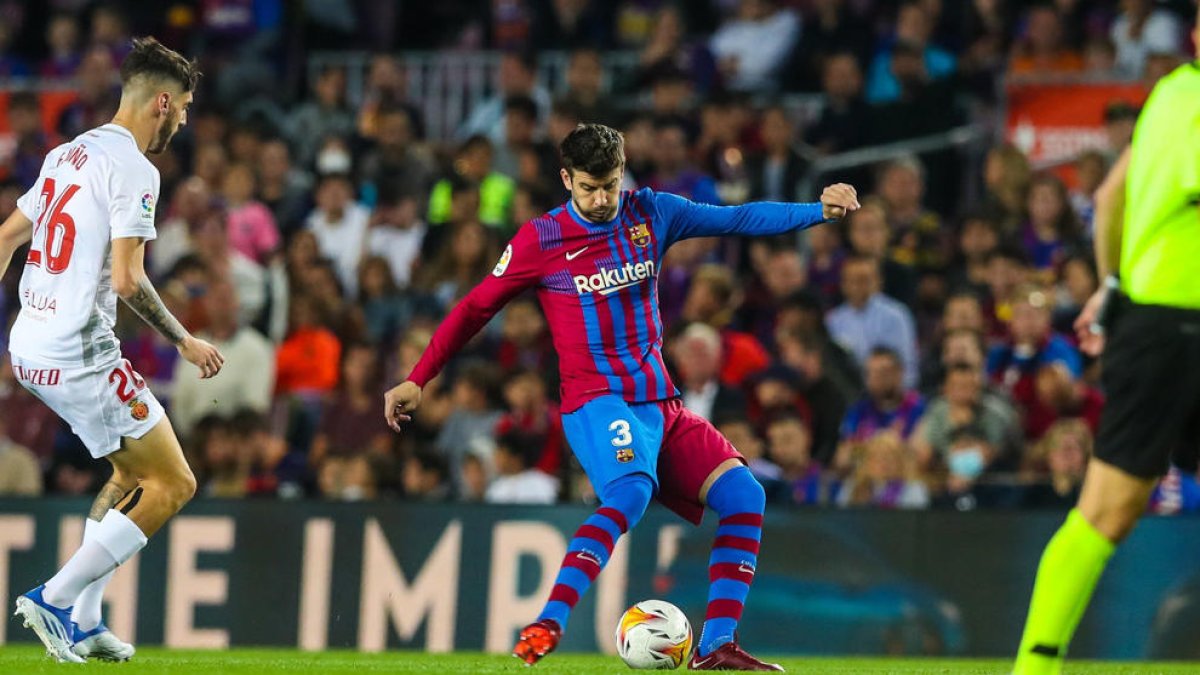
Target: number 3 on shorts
x,y
621,429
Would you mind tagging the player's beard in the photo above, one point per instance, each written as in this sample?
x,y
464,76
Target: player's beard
x,y
163,136
602,215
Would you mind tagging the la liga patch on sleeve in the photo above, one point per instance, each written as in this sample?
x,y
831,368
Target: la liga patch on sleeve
x,y
502,264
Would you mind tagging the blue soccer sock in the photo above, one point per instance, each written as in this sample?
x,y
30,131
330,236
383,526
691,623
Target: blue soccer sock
x,y
623,503
739,501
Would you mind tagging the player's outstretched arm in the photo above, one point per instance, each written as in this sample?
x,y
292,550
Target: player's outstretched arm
x,y
131,283
14,233
687,219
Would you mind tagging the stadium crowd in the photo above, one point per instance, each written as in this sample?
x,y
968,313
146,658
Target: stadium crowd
x,y
918,354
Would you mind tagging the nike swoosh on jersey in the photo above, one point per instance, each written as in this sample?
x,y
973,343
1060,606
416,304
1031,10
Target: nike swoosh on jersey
x,y
575,254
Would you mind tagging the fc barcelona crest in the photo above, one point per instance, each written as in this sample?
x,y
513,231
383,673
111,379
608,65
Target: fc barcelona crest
x,y
639,234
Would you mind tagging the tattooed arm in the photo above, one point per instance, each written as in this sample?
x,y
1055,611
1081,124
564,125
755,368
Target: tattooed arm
x,y
131,283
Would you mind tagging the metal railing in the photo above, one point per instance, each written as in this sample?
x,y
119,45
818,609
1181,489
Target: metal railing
x,y
446,86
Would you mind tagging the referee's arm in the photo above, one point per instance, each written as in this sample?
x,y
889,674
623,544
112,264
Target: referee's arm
x,y
1109,223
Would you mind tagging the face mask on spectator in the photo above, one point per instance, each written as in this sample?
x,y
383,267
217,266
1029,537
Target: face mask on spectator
x,y
333,161
967,463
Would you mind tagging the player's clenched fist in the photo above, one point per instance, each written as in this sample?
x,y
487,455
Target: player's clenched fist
x,y
838,199
202,355
399,401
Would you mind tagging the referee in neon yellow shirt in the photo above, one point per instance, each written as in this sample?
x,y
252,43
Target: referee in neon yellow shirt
x,y
1147,227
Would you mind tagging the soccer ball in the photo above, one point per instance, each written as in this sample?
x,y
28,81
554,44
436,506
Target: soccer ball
x,y
654,635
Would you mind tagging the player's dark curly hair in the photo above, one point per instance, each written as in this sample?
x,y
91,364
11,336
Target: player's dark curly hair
x,y
593,149
150,58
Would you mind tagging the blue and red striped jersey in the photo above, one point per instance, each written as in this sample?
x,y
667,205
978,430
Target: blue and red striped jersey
x,y
598,286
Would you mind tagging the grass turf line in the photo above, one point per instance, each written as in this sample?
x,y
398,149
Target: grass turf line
x,y
22,659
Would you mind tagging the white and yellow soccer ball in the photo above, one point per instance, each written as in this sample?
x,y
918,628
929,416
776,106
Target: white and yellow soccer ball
x,y
654,635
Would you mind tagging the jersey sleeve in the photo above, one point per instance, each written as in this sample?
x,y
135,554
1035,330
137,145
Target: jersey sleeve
x,y
133,200
686,219
518,269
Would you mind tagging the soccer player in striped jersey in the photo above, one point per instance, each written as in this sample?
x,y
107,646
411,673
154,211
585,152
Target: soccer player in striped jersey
x,y
594,262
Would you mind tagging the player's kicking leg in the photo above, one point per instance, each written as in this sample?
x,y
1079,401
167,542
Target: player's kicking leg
x,y
92,638
164,484
620,463
1109,506
699,468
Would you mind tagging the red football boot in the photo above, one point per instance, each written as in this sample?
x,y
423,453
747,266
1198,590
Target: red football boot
x,y
730,656
537,640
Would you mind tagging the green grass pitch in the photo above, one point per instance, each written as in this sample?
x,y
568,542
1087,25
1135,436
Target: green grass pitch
x,y
28,659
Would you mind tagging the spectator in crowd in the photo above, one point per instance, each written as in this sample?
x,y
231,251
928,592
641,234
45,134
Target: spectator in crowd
x,y
397,234
802,352
471,426
775,391
970,473
924,105
110,31
396,162
517,76
831,28
918,239
1052,230
1034,358
868,318
1006,178
962,325
467,255
673,172
525,340
325,114
530,411
978,239
350,425
913,30
272,470
1100,59
886,405
697,358
671,92
1090,170
740,433
585,87
1142,29
776,171
386,90
248,381
385,310
348,479
780,275
825,258
521,134
427,477
472,171
27,421
884,477
62,45
282,188
712,299
1008,268
667,48
98,95
564,24
210,244
752,46
340,225
307,361
869,235
789,444
334,306
517,481
845,119
220,471
1120,117
30,142
964,405
1040,50
1059,461
250,226
1079,282
208,163
20,475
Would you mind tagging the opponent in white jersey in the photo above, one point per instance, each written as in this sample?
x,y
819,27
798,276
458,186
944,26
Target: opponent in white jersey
x,y
87,220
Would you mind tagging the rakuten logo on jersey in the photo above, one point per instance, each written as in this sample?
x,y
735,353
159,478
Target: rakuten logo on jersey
x,y
609,280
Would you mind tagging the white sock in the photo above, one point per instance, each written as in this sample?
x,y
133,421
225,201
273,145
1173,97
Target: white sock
x,y
115,539
88,608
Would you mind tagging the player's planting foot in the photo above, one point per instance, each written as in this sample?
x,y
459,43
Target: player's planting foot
x,y
51,624
100,643
730,656
537,640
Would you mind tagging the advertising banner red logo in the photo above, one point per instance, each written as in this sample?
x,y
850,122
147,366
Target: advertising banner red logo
x,y
1056,122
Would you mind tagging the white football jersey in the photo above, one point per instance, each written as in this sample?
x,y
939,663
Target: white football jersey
x,y
97,188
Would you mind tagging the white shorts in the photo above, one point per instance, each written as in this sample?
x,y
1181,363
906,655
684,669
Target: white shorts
x,y
103,403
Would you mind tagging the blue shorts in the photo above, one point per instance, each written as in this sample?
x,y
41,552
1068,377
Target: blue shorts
x,y
613,438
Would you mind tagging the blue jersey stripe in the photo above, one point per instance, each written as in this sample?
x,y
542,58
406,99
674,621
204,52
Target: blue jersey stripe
x,y
621,338
641,385
649,300
591,321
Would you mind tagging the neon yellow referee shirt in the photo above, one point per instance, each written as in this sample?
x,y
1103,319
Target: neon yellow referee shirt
x,y
1160,246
